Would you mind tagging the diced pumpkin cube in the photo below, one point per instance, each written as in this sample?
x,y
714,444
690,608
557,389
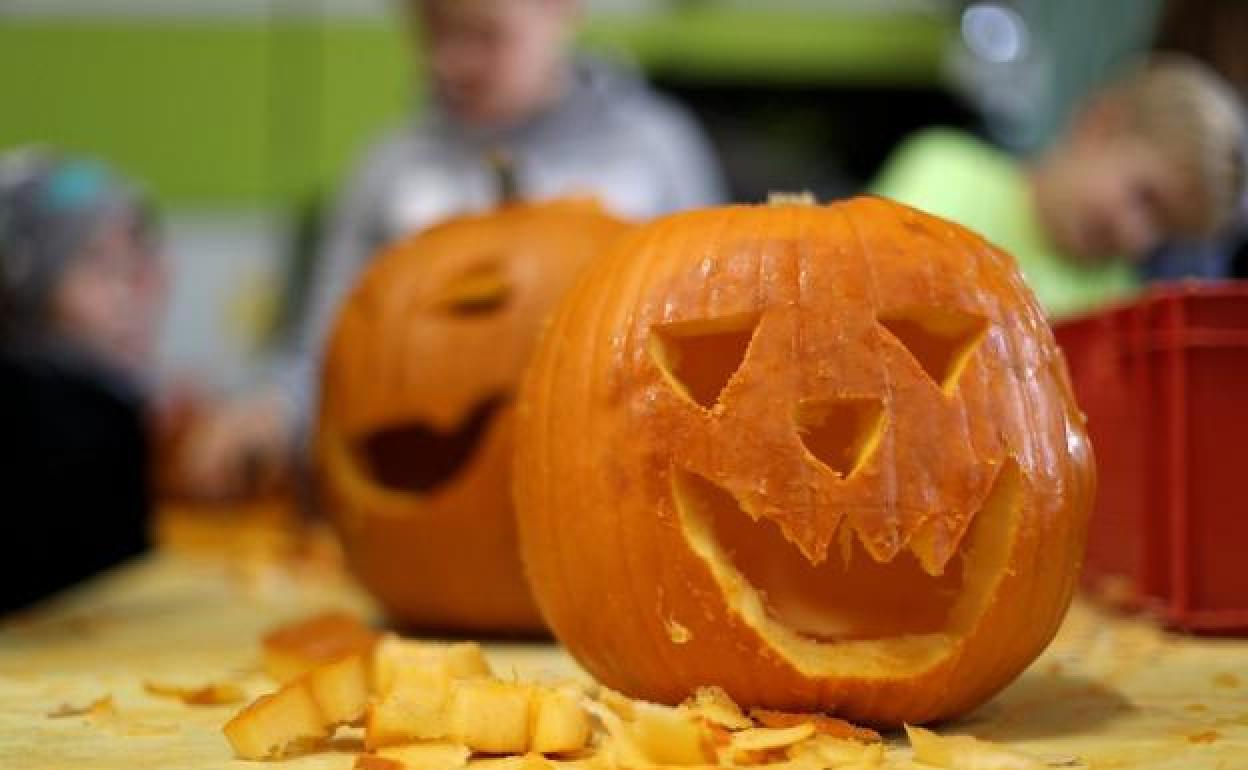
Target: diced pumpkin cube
x,y
294,649
491,716
409,714
274,724
465,660
340,689
560,724
670,736
395,658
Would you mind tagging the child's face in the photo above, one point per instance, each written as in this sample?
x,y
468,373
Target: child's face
x,y
1120,198
495,62
110,296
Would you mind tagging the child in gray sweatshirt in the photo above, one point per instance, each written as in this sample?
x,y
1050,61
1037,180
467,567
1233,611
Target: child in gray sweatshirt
x,y
504,79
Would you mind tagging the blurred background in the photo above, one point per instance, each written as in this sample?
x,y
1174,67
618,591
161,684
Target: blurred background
x,y
243,115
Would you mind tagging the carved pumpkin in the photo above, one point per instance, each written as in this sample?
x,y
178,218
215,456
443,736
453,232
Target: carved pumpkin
x,y
826,458
414,438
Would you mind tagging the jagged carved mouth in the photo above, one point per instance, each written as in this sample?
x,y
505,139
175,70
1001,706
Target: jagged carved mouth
x,y
418,459
810,611
848,596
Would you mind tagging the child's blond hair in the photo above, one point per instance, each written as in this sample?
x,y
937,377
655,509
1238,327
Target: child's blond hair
x,y
1191,114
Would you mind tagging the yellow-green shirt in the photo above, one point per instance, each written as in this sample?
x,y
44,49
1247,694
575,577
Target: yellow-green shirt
x,y
956,176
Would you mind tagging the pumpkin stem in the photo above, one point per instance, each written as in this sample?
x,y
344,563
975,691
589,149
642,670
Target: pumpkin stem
x,y
804,198
504,169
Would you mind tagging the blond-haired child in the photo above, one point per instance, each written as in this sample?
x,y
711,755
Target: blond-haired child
x,y
1155,154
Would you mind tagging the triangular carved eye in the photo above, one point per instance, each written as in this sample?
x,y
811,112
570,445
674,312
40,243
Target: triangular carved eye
x,y
699,357
941,341
841,433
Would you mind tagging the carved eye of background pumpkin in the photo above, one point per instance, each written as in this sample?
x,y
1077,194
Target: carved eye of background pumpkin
x,y
413,445
834,446
479,290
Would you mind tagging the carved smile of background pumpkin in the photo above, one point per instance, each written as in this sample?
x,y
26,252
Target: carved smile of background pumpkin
x,y
824,457
419,459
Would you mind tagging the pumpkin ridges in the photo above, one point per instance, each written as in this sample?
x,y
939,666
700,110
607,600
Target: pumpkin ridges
x,y
674,236
627,555
581,312
1003,670
659,634
980,665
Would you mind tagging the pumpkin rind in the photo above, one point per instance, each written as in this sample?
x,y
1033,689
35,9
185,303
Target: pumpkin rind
x,y
436,334
921,338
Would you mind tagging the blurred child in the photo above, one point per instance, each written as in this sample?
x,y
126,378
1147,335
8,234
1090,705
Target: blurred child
x,y
503,78
1156,154
81,287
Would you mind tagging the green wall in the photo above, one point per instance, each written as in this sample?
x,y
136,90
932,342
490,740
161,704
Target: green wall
x,y
215,112
259,112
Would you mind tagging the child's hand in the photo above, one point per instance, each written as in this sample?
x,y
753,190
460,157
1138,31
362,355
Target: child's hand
x,y
239,448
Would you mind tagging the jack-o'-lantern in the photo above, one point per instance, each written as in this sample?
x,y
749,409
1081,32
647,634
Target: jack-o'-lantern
x,y
414,437
825,457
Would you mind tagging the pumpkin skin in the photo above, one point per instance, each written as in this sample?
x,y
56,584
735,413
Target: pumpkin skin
x,y
413,443
825,457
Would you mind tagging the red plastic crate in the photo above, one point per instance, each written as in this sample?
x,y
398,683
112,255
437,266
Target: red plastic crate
x,y
1164,383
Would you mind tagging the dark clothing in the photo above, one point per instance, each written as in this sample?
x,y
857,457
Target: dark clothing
x,y
73,474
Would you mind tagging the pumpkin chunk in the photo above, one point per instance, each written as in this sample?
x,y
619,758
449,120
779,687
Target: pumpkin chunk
x,y
340,689
277,724
560,724
397,658
295,648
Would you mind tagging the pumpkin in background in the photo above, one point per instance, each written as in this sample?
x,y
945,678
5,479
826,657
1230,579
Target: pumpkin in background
x,y
413,444
826,458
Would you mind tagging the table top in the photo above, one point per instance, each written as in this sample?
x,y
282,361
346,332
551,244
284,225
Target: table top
x,y
1112,691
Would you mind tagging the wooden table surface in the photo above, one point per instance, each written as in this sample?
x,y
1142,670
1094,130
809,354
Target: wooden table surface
x,y
1112,692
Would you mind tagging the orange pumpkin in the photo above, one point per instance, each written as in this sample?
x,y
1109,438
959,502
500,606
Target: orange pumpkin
x,y
414,438
826,458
